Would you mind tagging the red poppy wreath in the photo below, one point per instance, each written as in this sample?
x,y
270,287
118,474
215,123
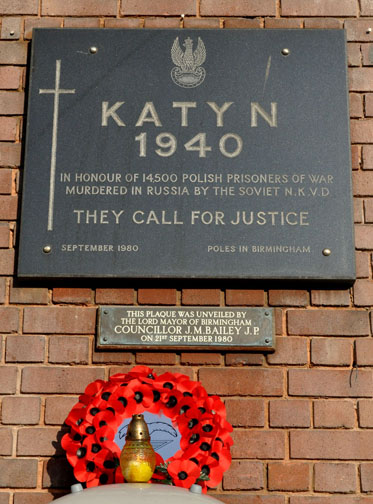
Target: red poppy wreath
x,y
205,442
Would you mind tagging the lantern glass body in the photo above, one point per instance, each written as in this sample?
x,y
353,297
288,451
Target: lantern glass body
x,y
137,461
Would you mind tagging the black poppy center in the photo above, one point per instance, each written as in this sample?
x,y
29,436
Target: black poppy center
x,y
111,409
94,411
184,408
171,402
104,479
102,423
168,385
90,430
182,475
187,394
192,423
77,437
123,400
139,397
194,460
194,438
109,464
202,410
105,396
90,466
215,456
205,446
205,470
95,448
207,428
81,452
156,395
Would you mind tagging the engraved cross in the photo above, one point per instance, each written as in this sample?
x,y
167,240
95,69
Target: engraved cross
x,y
57,91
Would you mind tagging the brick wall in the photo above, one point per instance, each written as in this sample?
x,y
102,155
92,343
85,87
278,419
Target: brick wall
x,y
303,416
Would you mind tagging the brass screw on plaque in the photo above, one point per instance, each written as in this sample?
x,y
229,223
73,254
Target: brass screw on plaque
x,y
285,51
326,252
369,30
93,50
47,249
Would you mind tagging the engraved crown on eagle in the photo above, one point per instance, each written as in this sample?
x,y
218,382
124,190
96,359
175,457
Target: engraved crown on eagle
x,y
188,72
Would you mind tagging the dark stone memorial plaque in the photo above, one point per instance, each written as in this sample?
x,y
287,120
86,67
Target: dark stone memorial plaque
x,y
182,328
188,154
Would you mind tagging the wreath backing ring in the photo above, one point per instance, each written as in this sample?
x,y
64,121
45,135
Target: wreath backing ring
x,y
205,443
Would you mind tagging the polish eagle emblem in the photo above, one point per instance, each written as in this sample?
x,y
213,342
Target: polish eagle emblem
x,y
188,72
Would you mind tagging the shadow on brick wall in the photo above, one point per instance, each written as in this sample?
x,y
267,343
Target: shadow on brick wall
x,y
58,474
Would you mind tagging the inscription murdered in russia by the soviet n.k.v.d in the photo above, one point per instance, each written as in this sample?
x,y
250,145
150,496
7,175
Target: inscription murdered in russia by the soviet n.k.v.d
x,y
187,154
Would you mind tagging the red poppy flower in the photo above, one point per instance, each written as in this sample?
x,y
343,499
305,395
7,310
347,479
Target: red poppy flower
x,y
183,472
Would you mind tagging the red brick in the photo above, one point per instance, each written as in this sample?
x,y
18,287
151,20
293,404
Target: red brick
x,y
31,23
356,105
162,22
40,441
331,477
289,413
237,297
246,498
11,102
361,79
6,441
323,23
25,348
288,298
12,7
330,297
32,498
8,319
104,357
162,358
115,296
368,157
8,125
331,352
242,23
57,409
364,237
258,444
245,412
283,23
330,499
81,23
157,296
57,473
365,413
244,359
10,77
331,444
72,295
329,382
233,381
60,320
124,23
328,322
2,286
20,410
68,350
289,351
6,264
353,54
362,131
201,23
333,414
364,352
363,292
4,497
358,210
290,477
11,28
355,156
74,8
8,207
369,104
10,154
366,476
27,295
367,53
18,473
198,297
5,181
366,8
200,358
317,8
357,30
244,475
159,8
362,264
51,380
237,8
13,53
8,379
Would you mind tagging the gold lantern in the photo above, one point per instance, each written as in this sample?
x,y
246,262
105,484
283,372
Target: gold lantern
x,y
137,459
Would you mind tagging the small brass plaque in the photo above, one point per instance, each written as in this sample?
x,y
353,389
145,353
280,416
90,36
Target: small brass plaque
x,y
149,327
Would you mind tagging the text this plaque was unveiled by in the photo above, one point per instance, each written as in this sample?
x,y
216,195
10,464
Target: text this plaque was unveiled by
x,y
198,328
187,154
